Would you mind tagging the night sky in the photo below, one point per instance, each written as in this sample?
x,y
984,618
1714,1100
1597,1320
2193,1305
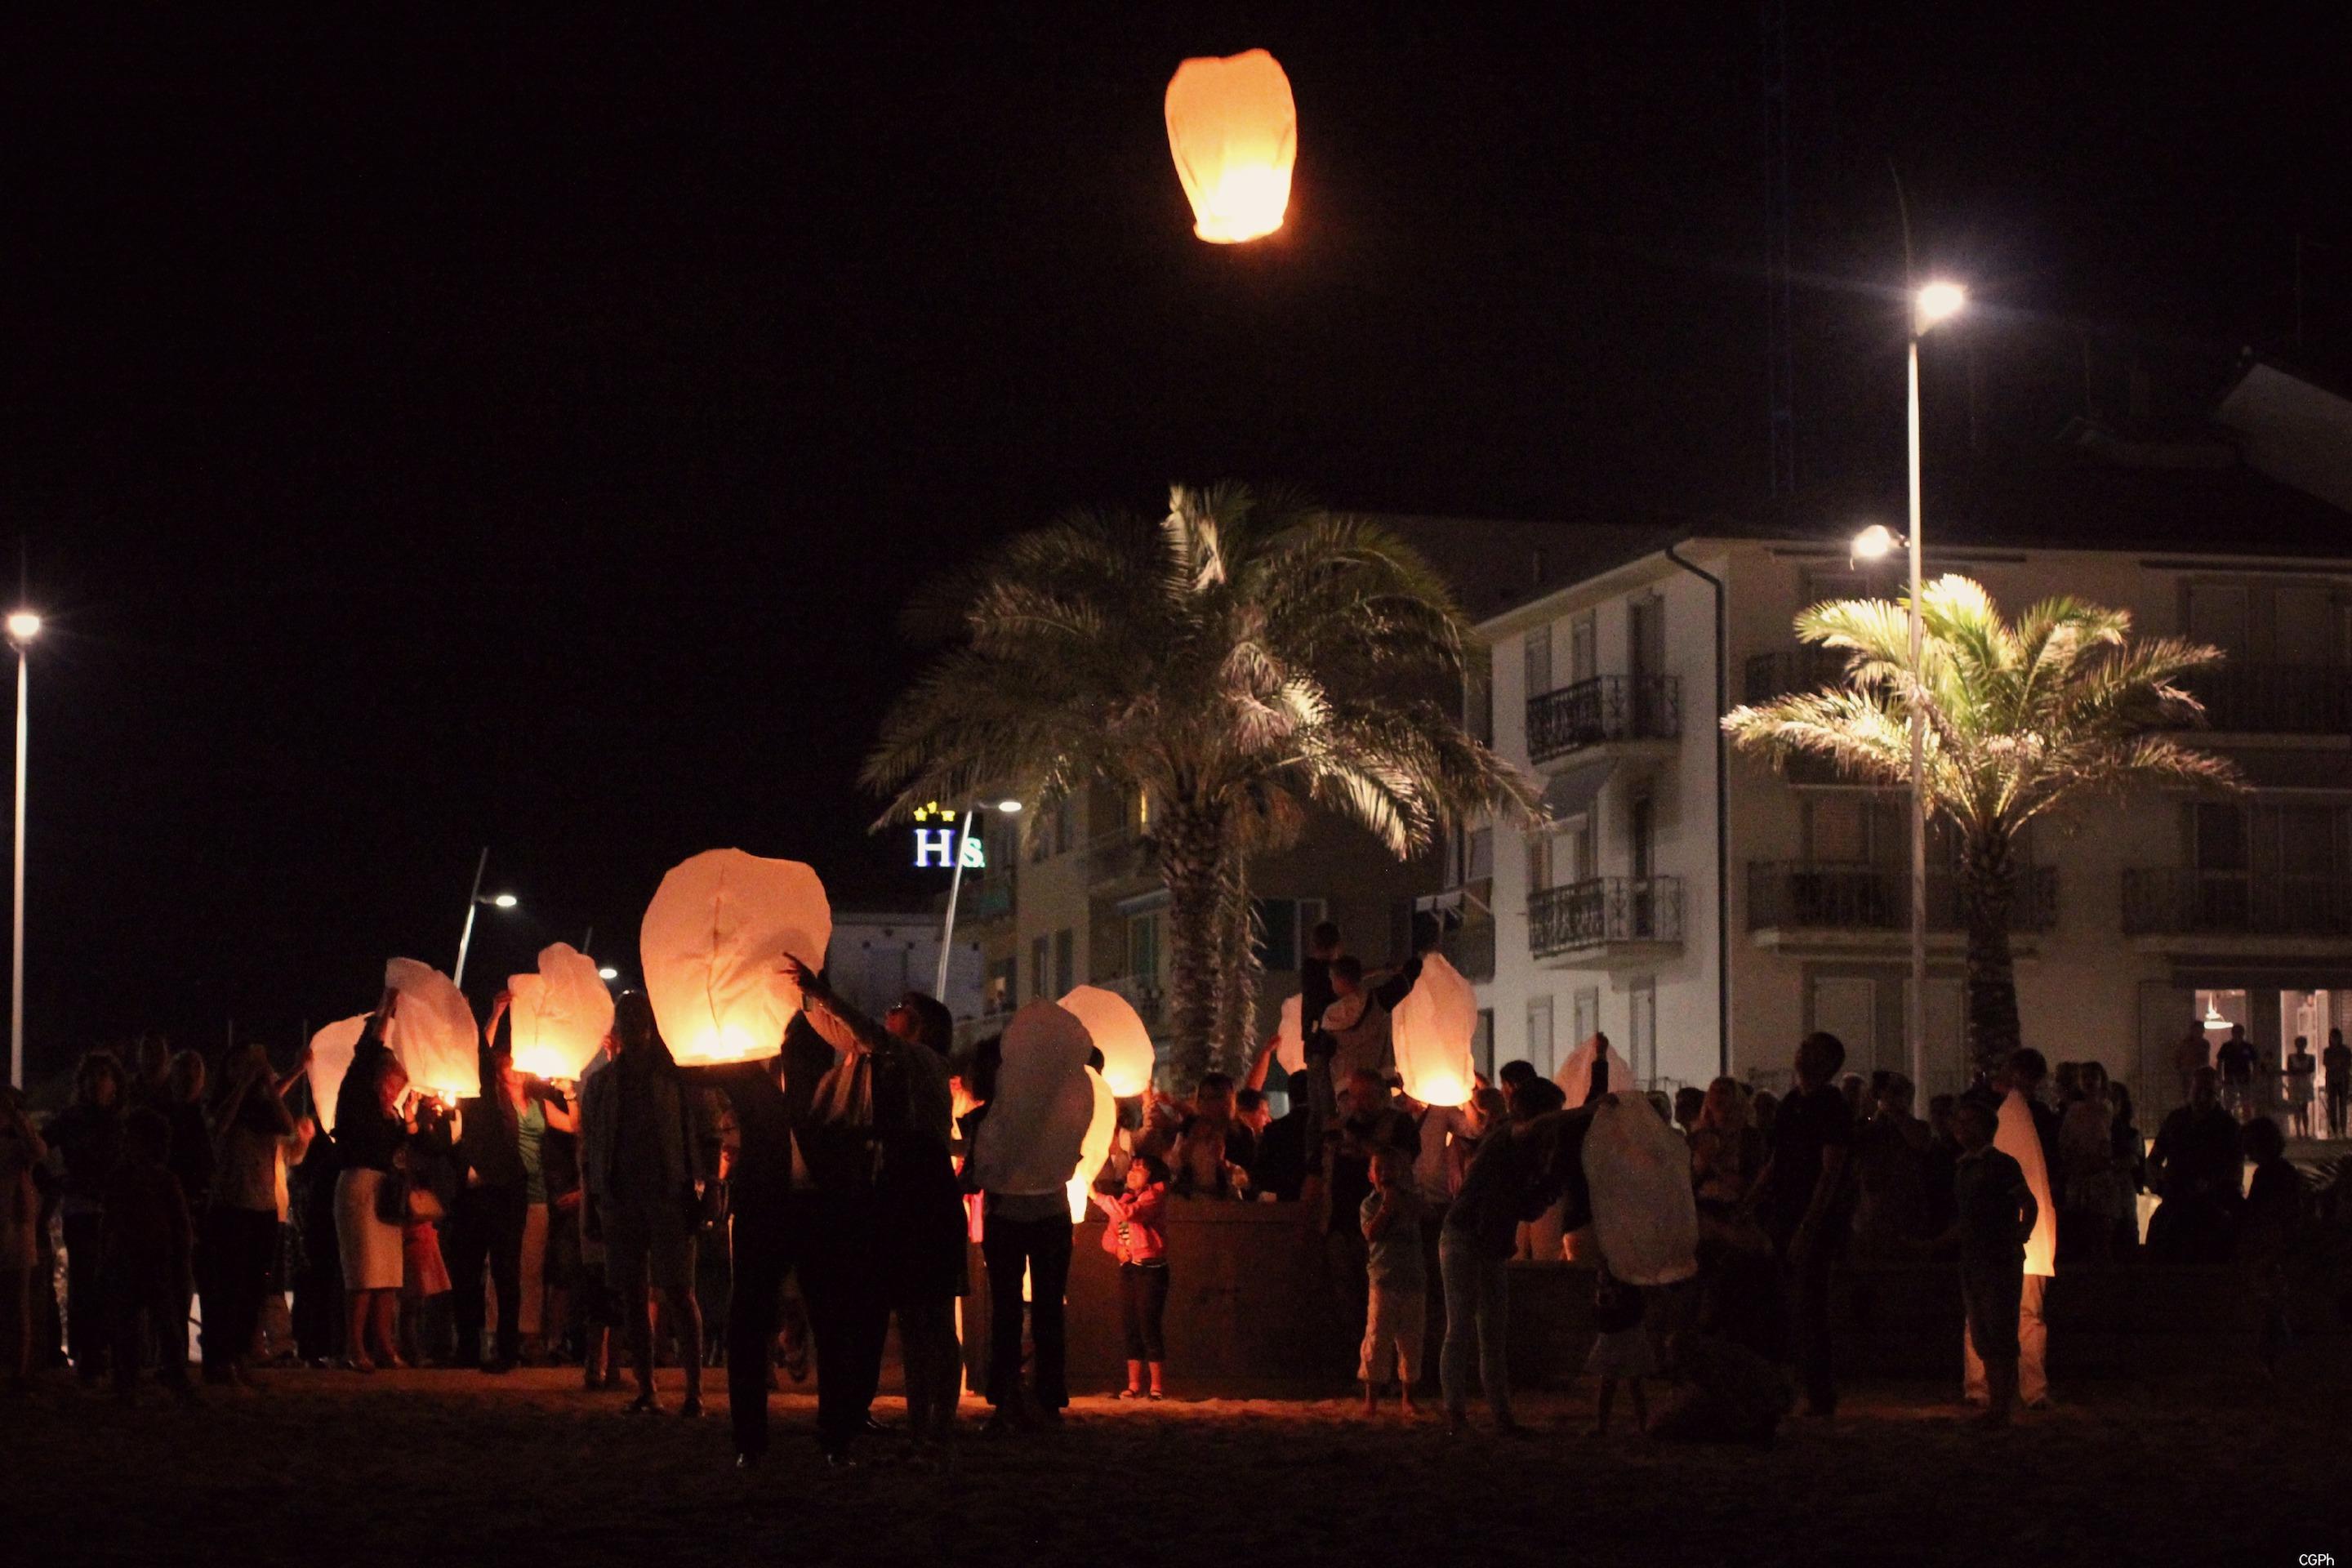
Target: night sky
x,y
429,433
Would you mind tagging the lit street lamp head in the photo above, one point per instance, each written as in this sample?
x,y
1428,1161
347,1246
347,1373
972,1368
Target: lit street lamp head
x,y
1009,808
1875,542
505,901
24,627
608,973
1936,303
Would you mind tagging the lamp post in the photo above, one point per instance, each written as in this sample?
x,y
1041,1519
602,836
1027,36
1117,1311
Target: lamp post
x,y
23,627
1934,303
955,887
474,902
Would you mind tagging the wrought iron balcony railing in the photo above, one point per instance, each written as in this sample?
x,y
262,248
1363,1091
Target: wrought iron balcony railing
x,y
1825,896
1604,910
2173,901
1605,708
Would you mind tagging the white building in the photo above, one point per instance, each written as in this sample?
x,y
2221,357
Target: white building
x,y
1706,940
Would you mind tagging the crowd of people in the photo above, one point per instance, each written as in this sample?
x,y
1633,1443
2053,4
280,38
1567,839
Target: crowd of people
x,y
741,1214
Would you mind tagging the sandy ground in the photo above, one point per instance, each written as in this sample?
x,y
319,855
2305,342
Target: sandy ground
x,y
435,1466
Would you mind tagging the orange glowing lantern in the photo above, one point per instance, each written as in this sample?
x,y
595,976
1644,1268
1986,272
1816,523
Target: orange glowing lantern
x,y
1290,1037
1432,1030
1233,129
433,1034
712,941
560,1015
1118,1031
331,1049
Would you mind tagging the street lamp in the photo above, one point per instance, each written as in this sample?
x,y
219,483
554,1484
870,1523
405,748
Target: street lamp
x,y
1930,305
473,903
955,885
23,627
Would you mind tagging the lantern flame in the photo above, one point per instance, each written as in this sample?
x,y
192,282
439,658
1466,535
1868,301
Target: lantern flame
x,y
1233,129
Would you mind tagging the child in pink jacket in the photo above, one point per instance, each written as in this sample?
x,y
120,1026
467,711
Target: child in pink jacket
x,y
1134,1236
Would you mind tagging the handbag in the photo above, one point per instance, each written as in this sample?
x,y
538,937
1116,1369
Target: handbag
x,y
424,1205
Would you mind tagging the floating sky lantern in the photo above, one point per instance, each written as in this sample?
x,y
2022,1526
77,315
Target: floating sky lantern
x,y
1094,1149
712,943
1432,1030
1233,129
1035,1134
331,1049
1118,1031
560,1015
434,1033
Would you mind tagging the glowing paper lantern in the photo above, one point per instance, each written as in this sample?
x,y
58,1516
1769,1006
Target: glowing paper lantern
x,y
1290,1037
560,1015
1094,1149
1432,1030
331,1049
1637,1169
1035,1134
1575,1074
1118,1034
712,941
1233,129
2014,1135
433,1034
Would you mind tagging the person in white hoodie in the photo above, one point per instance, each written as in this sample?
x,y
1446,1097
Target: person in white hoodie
x,y
2017,1136
1025,1150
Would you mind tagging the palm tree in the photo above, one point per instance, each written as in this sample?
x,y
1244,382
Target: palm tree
x,y
1236,664
2023,720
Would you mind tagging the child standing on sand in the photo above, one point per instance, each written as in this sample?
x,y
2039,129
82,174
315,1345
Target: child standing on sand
x,y
1135,1237
1397,1312
1620,1349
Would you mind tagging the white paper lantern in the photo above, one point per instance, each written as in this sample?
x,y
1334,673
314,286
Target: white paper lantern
x,y
433,1034
1637,1169
1432,1031
1233,129
1575,1074
712,945
1118,1032
560,1015
331,1049
1290,1037
1095,1150
1035,1134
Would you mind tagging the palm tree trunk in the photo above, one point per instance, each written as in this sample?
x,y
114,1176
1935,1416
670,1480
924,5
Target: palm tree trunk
x,y
1242,970
1988,895
1191,852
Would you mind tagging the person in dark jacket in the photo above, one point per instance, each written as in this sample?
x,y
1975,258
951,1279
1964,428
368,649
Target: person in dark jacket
x,y
147,1249
644,1177
493,1207
1521,1169
86,1140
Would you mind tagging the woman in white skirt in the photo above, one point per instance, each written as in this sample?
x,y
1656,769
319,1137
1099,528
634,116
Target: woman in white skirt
x,y
369,1132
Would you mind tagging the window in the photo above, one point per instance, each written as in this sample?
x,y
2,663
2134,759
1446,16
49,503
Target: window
x,y
1066,961
2218,614
1583,646
1538,660
1641,995
1587,1013
1003,992
1479,694
1481,854
1037,970
1583,852
1839,828
1540,1043
1538,861
1646,637
1063,814
1282,927
1143,948
1641,828
1482,1042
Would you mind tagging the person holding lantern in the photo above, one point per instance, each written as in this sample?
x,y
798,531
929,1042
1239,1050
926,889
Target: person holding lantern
x,y
371,1132
644,1177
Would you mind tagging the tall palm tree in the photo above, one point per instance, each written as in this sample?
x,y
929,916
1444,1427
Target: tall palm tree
x,y
1235,664
2023,721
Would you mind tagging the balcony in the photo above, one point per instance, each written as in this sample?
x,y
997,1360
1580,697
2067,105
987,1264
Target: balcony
x,y
1796,903
1625,714
2169,909
1470,948
2275,698
1608,922
1118,864
990,899
1773,675
1142,993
